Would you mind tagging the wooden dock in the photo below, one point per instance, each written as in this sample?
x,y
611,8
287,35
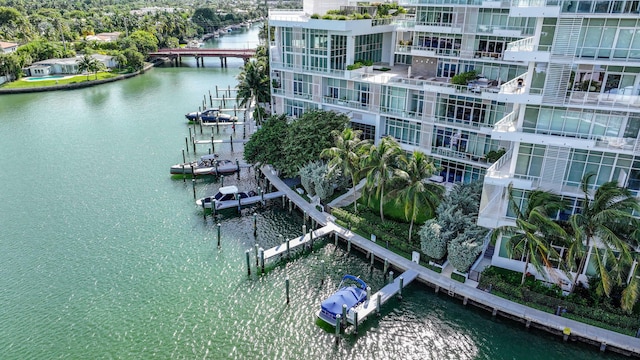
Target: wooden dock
x,y
293,243
221,205
371,305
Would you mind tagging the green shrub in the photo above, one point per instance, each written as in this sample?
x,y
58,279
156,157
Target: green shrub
x,y
315,16
464,78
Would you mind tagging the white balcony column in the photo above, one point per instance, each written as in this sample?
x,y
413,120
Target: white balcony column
x,y
394,42
351,46
538,30
530,71
520,119
379,127
515,149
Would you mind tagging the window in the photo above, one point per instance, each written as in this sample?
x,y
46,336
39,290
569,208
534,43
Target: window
x,y
446,69
406,132
434,16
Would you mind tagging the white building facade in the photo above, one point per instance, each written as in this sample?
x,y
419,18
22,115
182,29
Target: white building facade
x,y
557,94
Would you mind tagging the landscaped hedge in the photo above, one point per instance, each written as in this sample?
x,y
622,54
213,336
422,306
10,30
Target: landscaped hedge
x,y
367,223
506,283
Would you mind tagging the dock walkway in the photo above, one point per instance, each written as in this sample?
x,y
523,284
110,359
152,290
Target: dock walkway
x,y
497,305
293,243
368,307
320,217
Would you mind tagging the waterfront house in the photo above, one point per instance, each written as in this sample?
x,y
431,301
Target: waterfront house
x,y
7,47
557,87
104,37
66,65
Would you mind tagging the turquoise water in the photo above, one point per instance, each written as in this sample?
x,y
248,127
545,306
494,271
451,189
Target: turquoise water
x,y
104,255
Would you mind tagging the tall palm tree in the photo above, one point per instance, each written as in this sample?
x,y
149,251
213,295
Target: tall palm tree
x,y
607,216
87,63
253,85
346,155
415,193
534,228
380,165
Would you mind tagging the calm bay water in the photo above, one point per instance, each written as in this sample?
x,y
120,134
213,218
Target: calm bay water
x,y
104,255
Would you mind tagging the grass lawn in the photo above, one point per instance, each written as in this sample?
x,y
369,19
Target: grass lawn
x,y
22,83
394,211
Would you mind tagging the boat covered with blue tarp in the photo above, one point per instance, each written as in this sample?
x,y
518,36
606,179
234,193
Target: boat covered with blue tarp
x,y
352,291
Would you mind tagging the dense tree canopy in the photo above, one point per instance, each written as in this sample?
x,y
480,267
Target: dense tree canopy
x,y
289,146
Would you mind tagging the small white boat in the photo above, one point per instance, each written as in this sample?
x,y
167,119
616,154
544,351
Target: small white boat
x,y
207,165
225,193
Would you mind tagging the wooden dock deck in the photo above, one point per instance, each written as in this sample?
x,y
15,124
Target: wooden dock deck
x,y
293,243
371,305
221,205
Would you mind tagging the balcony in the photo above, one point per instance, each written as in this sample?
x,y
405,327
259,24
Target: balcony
x,y
456,155
500,174
534,8
353,104
526,50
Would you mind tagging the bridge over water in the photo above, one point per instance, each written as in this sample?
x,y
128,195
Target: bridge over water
x,y
199,54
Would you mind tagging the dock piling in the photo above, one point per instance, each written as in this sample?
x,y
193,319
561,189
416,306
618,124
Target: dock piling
x,y
286,285
290,206
386,266
248,255
257,248
344,315
255,224
261,251
335,239
390,277
283,201
184,175
322,272
193,185
304,230
400,289
373,259
204,212
338,322
231,142
348,246
186,142
368,292
355,322
378,303
184,159
218,226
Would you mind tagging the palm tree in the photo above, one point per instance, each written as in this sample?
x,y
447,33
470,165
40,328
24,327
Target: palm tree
x,y
607,216
534,228
415,193
253,85
380,165
346,155
87,63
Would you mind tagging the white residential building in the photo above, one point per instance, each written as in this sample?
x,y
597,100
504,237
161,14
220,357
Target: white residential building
x,y
558,89
7,47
